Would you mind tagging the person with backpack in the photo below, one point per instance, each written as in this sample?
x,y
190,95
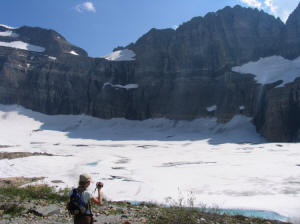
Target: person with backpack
x,y
79,204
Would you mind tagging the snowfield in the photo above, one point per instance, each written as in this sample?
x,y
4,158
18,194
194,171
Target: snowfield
x,y
272,69
228,165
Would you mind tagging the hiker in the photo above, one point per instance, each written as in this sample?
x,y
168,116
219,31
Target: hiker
x,y
79,204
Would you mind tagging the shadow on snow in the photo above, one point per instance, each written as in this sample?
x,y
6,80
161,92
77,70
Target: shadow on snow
x,y
239,130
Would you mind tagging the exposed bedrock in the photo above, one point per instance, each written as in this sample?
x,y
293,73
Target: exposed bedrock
x,y
179,74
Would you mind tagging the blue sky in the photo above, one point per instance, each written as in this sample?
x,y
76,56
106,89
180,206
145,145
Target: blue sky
x,y
98,26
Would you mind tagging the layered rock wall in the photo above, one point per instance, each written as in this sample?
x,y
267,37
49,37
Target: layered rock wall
x,y
179,74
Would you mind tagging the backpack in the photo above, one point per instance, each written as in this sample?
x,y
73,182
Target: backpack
x,y
76,204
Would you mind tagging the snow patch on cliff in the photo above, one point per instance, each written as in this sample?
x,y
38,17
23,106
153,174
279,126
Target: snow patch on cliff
x,y
8,27
22,45
121,55
8,33
52,58
272,69
128,86
74,53
212,108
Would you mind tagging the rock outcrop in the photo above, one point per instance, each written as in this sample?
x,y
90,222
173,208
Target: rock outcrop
x,y
179,74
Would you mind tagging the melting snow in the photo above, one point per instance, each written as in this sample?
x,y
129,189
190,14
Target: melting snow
x,y
226,165
22,45
128,86
212,108
8,33
271,69
73,52
121,55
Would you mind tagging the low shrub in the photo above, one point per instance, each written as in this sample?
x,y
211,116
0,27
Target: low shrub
x,y
12,209
175,215
35,192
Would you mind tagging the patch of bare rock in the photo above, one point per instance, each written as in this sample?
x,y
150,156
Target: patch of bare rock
x,y
14,155
18,181
4,146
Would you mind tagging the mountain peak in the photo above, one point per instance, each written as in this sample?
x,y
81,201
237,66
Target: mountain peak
x,y
37,39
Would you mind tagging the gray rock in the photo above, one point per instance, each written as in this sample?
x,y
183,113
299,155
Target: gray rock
x,y
48,210
6,216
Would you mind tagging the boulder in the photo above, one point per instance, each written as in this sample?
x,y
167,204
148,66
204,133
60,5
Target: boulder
x,y
47,210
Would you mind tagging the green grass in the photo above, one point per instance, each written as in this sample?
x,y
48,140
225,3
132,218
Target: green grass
x,y
149,204
175,215
116,211
12,209
35,193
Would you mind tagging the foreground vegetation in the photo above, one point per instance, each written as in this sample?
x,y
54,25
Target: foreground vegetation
x,y
33,192
14,203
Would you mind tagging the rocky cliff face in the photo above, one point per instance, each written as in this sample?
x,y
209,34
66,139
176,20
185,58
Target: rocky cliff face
x,y
278,115
228,37
290,41
194,62
179,74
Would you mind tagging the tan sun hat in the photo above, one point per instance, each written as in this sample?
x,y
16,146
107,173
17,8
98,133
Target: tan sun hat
x,y
84,178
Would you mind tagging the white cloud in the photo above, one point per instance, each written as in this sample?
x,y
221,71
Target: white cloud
x,y
278,8
271,5
253,3
86,6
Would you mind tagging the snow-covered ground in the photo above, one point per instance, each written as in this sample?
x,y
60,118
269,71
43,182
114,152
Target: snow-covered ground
x,y
227,165
271,69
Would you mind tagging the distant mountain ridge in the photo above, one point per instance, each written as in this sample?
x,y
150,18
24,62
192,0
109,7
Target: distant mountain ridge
x,y
178,74
53,42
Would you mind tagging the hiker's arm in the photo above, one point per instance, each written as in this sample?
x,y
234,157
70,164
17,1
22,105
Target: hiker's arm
x,y
99,199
